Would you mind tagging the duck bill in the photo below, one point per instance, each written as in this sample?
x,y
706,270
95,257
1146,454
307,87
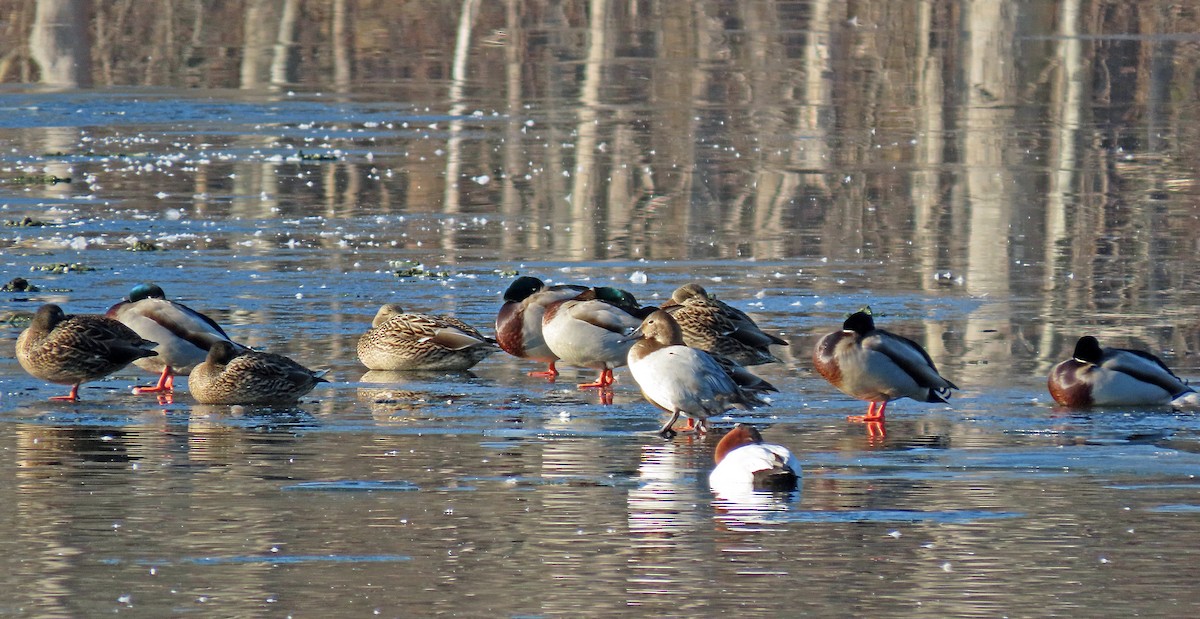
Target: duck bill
x,y
632,336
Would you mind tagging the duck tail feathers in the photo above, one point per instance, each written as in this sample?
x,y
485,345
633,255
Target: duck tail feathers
x,y
939,395
775,480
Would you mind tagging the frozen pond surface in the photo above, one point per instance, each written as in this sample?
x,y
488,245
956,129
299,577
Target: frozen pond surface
x,y
798,159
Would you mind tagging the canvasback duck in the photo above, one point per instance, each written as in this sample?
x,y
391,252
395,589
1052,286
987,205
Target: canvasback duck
x,y
743,460
687,381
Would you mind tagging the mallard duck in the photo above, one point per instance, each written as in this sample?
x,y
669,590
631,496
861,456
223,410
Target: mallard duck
x,y
230,376
519,321
184,335
878,366
688,381
744,461
590,330
403,341
714,326
75,349
1096,376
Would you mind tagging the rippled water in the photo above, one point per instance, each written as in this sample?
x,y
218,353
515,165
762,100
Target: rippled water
x,y
993,178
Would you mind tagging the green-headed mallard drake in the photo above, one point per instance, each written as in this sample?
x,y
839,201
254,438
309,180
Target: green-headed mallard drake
x,y
403,341
230,376
590,330
1096,376
714,326
75,349
745,462
519,321
878,366
688,381
184,335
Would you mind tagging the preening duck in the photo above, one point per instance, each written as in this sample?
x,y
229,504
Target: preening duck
x,y
878,366
590,330
183,334
74,349
716,327
519,321
230,376
1096,376
687,381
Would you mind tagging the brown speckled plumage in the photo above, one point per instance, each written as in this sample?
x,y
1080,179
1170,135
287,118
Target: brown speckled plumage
x,y
228,376
402,341
74,349
716,327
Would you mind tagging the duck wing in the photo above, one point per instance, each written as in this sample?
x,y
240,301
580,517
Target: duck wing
x,y
1144,367
910,357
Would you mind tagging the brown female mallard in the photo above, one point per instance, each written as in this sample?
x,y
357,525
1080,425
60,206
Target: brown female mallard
x,y
75,349
232,376
401,341
716,327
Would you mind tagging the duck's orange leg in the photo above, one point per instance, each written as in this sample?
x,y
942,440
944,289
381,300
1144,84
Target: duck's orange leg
x,y
874,413
550,372
605,380
70,397
166,382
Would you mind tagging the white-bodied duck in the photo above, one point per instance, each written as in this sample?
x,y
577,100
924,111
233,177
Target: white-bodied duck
x,y
744,461
687,381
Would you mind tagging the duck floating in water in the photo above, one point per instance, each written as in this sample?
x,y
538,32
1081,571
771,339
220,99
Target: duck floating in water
x,y
1096,376
184,335
398,340
74,349
878,366
230,376
687,381
519,321
744,461
590,330
716,327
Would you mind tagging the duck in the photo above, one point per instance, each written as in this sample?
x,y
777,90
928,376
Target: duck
x,y
72,349
591,330
688,381
716,327
232,376
1097,376
744,461
398,340
878,366
519,321
184,335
